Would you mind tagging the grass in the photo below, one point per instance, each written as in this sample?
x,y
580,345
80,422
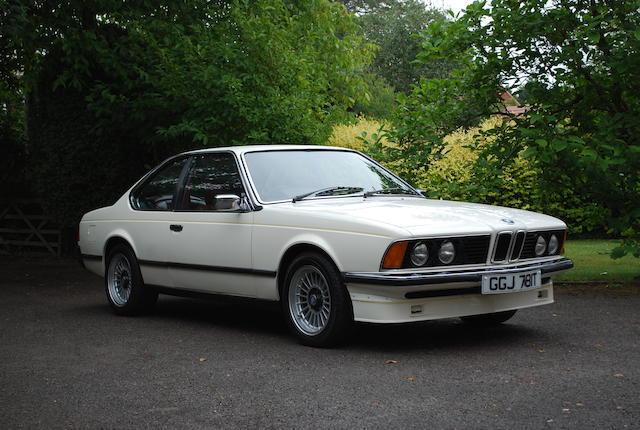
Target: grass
x,y
593,263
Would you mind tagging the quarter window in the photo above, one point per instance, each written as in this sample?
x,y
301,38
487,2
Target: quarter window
x,y
157,194
211,175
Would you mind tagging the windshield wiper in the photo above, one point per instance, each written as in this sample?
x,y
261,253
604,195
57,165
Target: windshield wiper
x,y
390,191
331,191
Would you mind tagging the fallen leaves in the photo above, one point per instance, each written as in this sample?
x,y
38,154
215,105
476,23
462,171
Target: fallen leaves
x,y
541,350
202,359
411,379
391,361
618,375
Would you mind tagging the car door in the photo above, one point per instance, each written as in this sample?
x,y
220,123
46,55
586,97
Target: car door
x,y
152,204
210,248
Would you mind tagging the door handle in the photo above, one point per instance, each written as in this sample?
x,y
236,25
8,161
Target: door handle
x,y
175,227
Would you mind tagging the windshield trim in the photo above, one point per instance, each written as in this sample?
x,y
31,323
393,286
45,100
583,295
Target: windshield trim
x,y
258,198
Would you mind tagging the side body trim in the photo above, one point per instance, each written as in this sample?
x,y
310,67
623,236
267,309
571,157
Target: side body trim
x,y
238,270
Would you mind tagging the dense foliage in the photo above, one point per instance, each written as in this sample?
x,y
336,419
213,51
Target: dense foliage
x,y
394,27
578,63
449,176
114,86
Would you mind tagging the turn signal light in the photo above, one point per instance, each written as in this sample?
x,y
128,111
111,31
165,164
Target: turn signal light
x,y
395,256
564,240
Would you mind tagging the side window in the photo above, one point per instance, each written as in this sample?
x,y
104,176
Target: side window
x,y
211,175
158,192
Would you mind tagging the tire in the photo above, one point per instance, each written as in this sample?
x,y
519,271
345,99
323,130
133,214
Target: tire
x,y
315,302
485,320
126,292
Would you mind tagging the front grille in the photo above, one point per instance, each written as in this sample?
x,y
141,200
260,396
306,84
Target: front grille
x,y
475,249
502,246
528,250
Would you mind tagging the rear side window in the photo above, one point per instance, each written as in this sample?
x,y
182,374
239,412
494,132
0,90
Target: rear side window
x,y
211,175
159,191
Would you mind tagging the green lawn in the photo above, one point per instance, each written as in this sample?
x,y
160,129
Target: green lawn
x,y
593,263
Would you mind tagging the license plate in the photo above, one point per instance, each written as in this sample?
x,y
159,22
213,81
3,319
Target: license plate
x,y
511,282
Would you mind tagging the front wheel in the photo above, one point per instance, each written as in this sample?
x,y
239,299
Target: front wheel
x,y
489,319
315,301
125,290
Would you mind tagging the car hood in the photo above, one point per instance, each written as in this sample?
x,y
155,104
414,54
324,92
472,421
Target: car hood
x,y
432,217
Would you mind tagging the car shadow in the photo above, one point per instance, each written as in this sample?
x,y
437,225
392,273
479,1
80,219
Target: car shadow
x,y
240,315
445,334
265,318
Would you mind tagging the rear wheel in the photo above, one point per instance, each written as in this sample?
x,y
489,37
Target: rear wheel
x,y
125,290
489,319
316,304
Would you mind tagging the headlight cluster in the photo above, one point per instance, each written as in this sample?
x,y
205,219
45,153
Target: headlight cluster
x,y
419,254
437,252
543,248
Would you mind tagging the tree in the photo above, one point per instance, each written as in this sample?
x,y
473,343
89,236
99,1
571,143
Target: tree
x,y
578,62
114,86
394,27
263,72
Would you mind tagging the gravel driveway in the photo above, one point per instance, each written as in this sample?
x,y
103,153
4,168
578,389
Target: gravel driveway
x,y
68,362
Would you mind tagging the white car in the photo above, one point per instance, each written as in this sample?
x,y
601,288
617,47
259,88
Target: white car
x,y
328,232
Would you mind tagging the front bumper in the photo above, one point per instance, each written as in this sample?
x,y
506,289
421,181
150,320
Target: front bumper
x,y
397,298
547,268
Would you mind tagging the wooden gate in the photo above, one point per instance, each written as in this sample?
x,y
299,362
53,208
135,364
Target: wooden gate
x,y
24,227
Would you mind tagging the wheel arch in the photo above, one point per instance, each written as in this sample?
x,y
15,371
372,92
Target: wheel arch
x,y
114,240
291,253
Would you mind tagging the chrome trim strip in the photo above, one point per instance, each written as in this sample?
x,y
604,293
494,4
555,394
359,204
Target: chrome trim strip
x,y
444,277
495,246
515,240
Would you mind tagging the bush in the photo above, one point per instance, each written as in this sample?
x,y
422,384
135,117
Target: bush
x,y
453,176
350,135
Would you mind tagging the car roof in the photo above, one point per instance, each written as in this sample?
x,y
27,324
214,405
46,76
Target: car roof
x,y
242,149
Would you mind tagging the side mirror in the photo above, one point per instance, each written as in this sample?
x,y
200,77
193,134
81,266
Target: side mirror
x,y
227,202
422,192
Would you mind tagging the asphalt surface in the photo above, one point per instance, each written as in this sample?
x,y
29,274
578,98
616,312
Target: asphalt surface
x,y
67,362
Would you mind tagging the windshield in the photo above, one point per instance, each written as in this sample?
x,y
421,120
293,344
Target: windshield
x,y
283,175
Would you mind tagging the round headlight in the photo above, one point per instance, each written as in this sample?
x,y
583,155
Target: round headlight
x,y
541,246
447,252
419,254
553,244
